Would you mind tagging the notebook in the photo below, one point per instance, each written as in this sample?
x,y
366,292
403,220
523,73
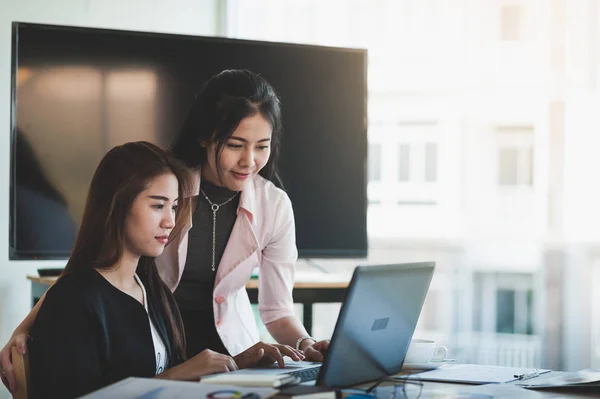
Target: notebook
x,y
250,380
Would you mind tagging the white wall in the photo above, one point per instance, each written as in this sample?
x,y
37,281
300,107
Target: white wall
x,y
199,17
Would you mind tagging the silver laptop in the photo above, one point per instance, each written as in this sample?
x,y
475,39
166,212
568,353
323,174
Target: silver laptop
x,y
374,328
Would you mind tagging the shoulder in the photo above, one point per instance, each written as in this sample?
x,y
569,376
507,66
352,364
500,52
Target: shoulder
x,y
265,190
77,289
273,206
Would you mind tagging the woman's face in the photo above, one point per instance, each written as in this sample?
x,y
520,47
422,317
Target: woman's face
x,y
152,217
244,154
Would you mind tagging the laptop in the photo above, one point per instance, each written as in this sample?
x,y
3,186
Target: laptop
x,y
374,328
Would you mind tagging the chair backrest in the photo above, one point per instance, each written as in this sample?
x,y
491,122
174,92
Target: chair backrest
x,y
21,364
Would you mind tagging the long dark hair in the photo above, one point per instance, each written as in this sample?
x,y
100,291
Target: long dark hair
x,y
224,100
123,173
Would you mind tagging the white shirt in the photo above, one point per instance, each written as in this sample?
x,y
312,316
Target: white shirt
x,y
159,346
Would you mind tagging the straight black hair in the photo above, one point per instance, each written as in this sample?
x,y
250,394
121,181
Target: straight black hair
x,y
224,100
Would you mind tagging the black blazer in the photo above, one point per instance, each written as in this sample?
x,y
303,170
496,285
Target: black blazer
x,y
89,334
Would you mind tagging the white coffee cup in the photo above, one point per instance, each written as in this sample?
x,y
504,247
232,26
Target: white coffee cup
x,y
423,351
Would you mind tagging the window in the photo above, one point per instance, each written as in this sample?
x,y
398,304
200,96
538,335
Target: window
x,y
518,50
417,162
510,21
509,158
417,152
505,312
404,163
430,162
514,313
429,319
503,303
515,155
374,162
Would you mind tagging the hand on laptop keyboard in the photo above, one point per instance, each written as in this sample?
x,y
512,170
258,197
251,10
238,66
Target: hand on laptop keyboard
x,y
316,351
262,354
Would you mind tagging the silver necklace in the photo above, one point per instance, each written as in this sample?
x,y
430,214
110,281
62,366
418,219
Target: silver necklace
x,y
215,208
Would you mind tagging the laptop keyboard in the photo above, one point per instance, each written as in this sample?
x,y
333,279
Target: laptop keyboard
x,y
309,374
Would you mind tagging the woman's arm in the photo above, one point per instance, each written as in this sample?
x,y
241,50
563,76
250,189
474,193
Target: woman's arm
x,y
288,330
277,282
18,339
204,363
209,362
278,261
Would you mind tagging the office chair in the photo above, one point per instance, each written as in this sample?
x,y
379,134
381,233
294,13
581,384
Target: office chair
x,y
21,364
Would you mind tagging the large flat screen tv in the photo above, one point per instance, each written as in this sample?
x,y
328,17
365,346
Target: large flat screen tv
x,y
77,92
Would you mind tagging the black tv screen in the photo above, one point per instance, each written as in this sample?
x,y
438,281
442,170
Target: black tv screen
x,y
77,92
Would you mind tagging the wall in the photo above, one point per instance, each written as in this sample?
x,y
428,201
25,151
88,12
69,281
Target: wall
x,y
200,17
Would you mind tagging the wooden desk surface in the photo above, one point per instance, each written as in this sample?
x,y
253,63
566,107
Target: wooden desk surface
x,y
42,280
251,284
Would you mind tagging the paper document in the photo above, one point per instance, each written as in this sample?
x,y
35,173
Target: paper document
x,y
478,374
152,388
563,379
488,391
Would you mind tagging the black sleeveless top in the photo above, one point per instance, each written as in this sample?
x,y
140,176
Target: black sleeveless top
x,y
194,294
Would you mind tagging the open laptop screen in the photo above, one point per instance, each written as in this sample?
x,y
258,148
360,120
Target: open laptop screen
x,y
376,323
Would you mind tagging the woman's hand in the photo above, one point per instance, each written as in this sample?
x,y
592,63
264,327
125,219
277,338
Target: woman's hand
x,y
210,362
204,363
262,354
7,371
316,351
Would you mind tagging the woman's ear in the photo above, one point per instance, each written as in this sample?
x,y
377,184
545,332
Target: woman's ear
x,y
202,143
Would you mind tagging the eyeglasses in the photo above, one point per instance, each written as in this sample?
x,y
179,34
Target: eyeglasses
x,y
400,388
231,394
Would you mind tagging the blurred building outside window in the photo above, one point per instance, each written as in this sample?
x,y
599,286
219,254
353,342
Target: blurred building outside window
x,y
482,137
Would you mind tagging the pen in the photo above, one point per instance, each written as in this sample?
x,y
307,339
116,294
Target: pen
x,y
532,374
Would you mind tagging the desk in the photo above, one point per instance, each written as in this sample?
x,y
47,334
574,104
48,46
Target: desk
x,y
305,292
434,390
124,389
